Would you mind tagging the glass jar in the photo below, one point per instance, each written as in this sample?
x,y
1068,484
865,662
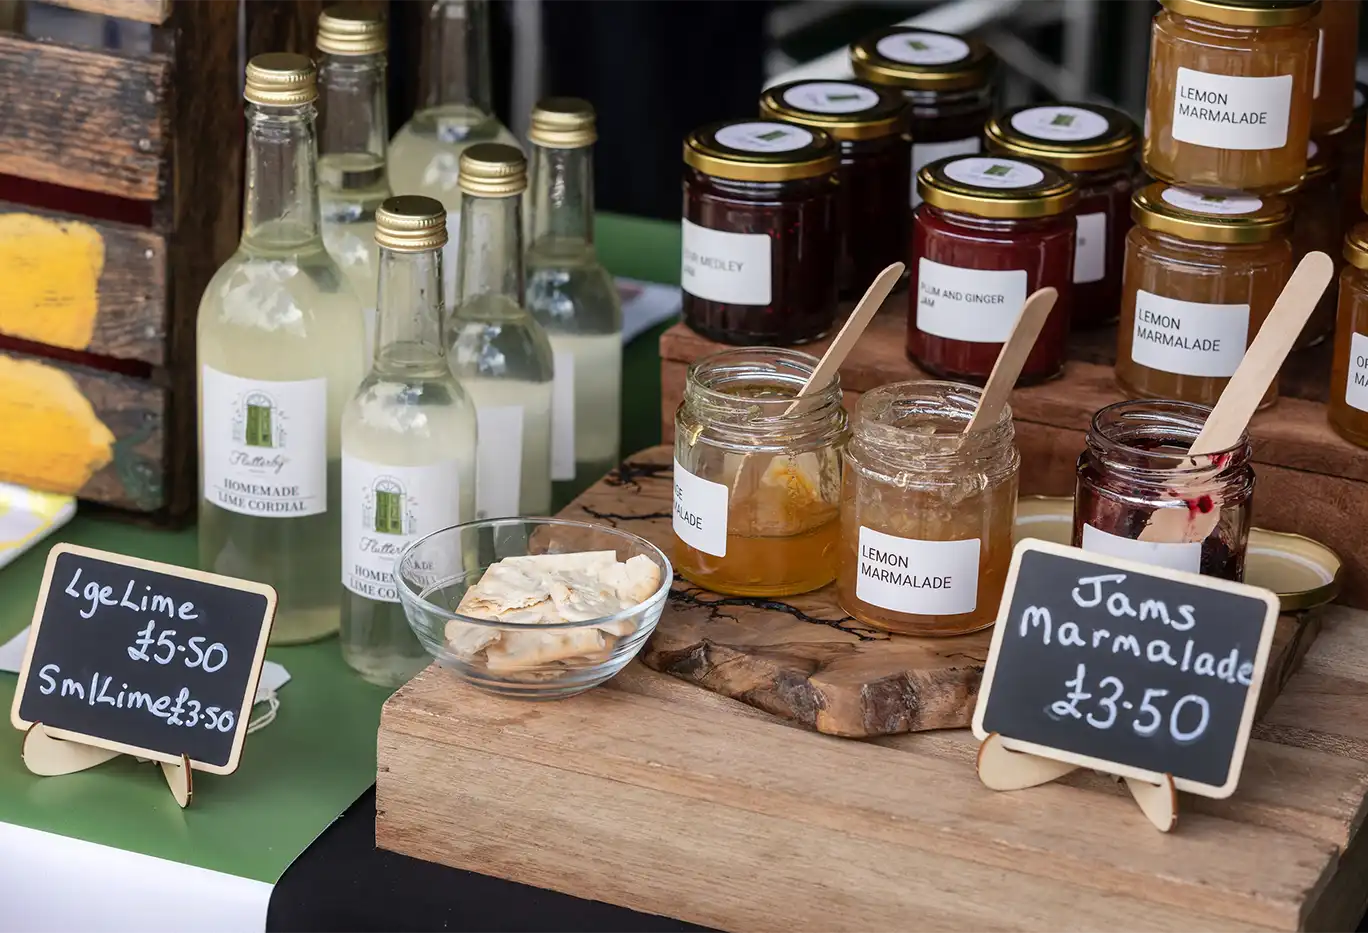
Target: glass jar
x,y
1316,226
760,242
1097,144
869,125
926,511
1332,92
1202,272
989,232
757,486
948,83
1136,462
1348,409
1346,149
1229,101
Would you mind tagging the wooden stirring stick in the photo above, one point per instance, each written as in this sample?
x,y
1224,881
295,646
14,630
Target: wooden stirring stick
x,y
1011,358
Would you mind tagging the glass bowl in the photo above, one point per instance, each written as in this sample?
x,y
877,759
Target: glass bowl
x,y
434,572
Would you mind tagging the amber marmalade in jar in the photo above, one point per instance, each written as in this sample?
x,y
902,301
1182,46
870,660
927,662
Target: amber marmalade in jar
x,y
1348,409
757,487
1230,90
926,511
760,243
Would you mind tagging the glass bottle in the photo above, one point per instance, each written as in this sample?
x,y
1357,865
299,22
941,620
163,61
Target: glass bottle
x,y
499,352
280,339
573,296
408,443
353,132
1348,408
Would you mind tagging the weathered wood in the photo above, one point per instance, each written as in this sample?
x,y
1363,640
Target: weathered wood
x,y
142,11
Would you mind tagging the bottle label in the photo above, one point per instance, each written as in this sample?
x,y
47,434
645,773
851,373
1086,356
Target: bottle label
x,y
1356,386
768,136
1173,556
700,512
830,97
386,508
922,48
265,445
975,305
1211,202
451,255
925,153
1059,123
1224,112
996,173
733,268
1320,61
498,460
563,416
925,578
1188,337
1090,248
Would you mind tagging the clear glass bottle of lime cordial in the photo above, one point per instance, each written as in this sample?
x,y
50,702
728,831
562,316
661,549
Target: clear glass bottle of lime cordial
x,y
280,339
408,442
499,351
573,296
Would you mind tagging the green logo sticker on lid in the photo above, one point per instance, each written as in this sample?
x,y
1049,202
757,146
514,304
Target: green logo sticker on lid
x,y
771,136
998,170
1062,119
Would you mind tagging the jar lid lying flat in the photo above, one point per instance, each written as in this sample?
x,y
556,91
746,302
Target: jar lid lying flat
x,y
922,60
760,150
1210,217
1076,137
849,110
1356,246
997,186
1246,12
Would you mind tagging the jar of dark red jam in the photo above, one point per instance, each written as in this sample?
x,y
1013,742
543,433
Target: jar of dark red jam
x,y
1136,463
869,125
948,83
1098,145
989,232
760,243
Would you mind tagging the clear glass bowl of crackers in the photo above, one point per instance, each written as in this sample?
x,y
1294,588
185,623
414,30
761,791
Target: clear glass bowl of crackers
x,y
537,608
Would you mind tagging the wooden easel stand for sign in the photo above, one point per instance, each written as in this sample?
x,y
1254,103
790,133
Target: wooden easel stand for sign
x,y
47,755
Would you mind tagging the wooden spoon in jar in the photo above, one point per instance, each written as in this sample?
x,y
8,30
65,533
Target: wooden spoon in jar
x,y
1011,358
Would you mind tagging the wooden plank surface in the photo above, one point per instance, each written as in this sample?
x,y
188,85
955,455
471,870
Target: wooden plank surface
x,y
142,11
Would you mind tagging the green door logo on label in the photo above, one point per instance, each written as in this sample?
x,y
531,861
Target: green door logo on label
x,y
259,411
389,508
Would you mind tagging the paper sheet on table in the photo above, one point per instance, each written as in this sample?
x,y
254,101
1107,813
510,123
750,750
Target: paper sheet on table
x,y
28,516
646,304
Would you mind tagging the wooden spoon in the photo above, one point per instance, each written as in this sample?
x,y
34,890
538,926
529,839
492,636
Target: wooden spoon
x,y
1011,358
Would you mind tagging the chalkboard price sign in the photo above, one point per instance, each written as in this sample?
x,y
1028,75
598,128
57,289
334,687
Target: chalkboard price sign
x,y
1125,667
144,658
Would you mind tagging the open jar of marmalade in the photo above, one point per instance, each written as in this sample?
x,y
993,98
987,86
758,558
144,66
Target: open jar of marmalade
x,y
1348,409
757,486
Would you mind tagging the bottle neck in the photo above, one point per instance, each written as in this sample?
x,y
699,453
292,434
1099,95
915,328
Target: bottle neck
x,y
562,186
409,334
456,55
281,205
491,263
354,122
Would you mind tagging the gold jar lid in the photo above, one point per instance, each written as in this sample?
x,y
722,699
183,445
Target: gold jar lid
x,y
1075,137
1208,216
997,186
760,150
348,29
1246,12
492,170
281,79
847,110
563,123
411,223
1356,246
922,60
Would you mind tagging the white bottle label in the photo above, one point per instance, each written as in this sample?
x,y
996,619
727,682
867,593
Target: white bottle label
x,y
1188,337
451,255
265,445
1356,387
925,153
728,267
1060,123
922,48
921,577
1173,556
1223,112
563,416
498,460
1320,61
386,508
700,512
976,305
1090,249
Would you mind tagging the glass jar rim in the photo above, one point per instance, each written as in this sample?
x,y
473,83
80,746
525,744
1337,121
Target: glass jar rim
x,y
1114,146
883,412
1114,430
777,367
887,116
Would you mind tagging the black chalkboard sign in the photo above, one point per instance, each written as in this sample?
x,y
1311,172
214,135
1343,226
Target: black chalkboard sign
x,y
1125,667
144,658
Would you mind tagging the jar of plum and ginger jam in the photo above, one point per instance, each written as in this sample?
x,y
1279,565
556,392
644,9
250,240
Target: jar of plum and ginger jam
x,y
757,486
1348,409
1136,463
926,511
760,242
869,125
989,231
1230,92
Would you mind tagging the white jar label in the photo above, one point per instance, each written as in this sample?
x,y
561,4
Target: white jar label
x,y
733,268
265,445
987,172
1188,337
700,512
1059,123
764,136
386,508
451,255
498,460
830,97
926,153
1212,202
1224,112
922,48
563,416
977,305
1090,248
1320,61
1173,556
925,578
1356,386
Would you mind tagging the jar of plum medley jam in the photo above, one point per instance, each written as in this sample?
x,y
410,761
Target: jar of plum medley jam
x,y
1136,463
760,242
1097,144
989,232
869,125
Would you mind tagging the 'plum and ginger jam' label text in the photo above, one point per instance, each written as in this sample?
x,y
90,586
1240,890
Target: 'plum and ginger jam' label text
x,y
927,578
731,268
700,512
1186,556
1356,386
1224,112
975,305
1188,337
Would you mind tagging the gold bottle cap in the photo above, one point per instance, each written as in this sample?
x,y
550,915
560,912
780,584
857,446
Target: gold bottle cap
x,y
493,170
997,186
1356,246
349,29
1075,137
1209,216
846,110
562,123
1246,12
921,60
411,223
760,150
281,79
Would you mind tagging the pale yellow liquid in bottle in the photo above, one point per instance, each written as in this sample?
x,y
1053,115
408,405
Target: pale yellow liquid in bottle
x,y
351,186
